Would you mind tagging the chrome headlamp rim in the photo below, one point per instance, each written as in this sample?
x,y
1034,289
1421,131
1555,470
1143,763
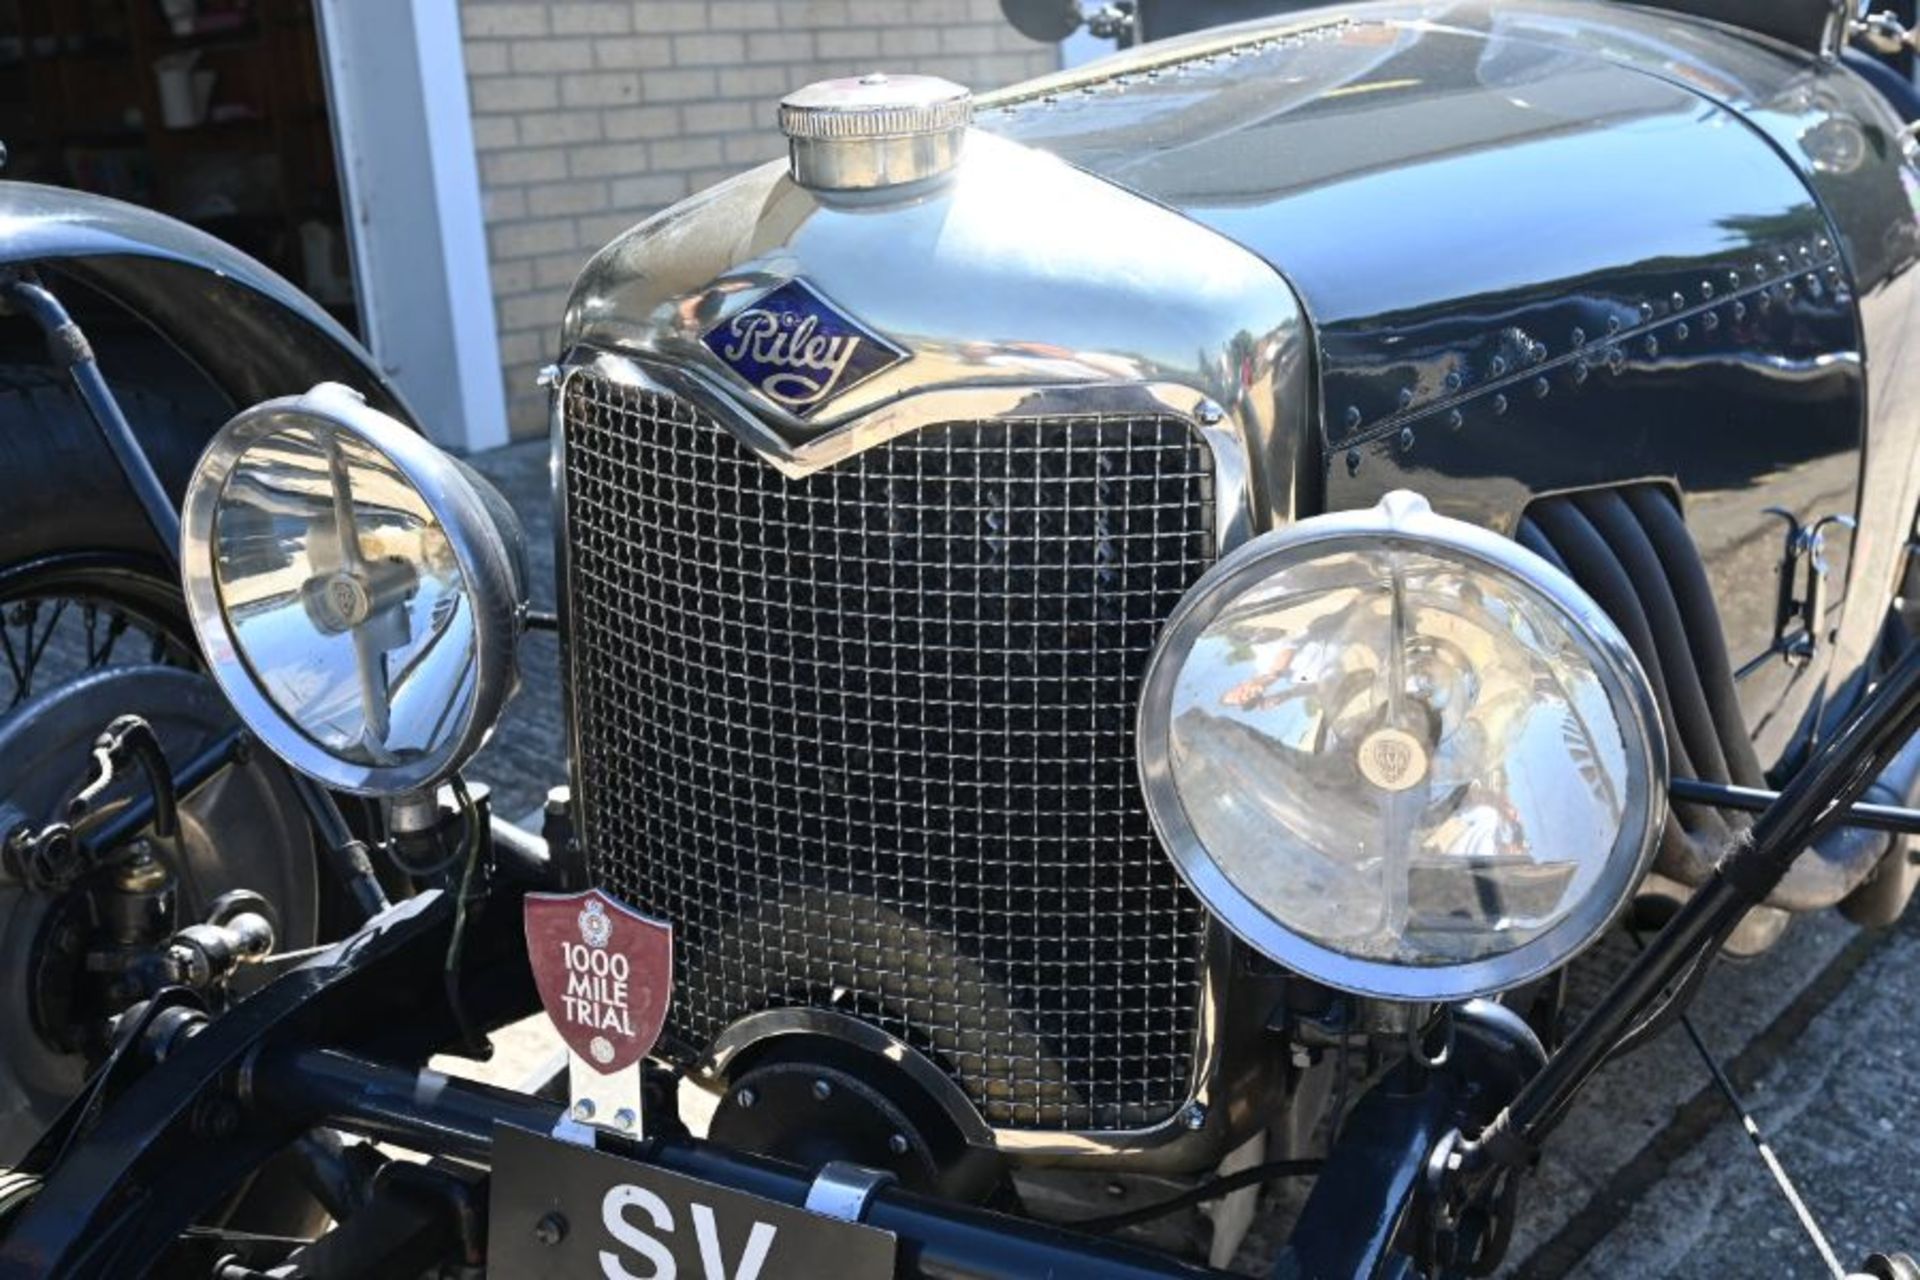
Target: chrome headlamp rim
x,y
1402,519
492,582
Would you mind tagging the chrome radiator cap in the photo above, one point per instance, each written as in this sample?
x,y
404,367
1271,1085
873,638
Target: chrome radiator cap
x,y
875,131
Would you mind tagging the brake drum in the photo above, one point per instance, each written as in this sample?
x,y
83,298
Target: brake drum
x,y
243,829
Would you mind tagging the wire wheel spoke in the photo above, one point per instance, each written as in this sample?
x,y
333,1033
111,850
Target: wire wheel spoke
x,y
45,639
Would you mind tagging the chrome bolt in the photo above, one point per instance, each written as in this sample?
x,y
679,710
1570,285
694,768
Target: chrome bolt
x,y
583,1109
1196,1117
745,1099
898,1144
625,1118
1211,413
1353,462
550,1230
1406,438
822,1091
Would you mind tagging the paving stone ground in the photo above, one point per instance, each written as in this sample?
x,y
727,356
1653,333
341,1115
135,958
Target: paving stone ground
x,y
1651,1175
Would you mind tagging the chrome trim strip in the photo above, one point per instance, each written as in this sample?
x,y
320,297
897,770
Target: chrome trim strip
x,y
841,1190
1197,1132
1234,509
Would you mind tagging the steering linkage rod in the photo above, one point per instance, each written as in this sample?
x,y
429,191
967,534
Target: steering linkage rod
x,y
1819,798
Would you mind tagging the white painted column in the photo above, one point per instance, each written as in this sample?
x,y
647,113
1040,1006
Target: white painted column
x,y
397,86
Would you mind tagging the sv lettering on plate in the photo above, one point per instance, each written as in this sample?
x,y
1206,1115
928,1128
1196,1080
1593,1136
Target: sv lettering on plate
x,y
620,1223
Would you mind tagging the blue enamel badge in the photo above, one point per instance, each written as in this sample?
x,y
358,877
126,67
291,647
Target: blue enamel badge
x,y
794,348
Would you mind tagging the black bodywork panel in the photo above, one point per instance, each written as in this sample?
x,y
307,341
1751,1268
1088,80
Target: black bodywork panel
x,y
1549,247
252,333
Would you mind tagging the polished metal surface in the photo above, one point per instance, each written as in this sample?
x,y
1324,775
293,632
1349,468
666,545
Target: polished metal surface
x,y
841,1189
864,735
1017,291
1019,278
1267,862
354,592
1560,313
877,130
1646,247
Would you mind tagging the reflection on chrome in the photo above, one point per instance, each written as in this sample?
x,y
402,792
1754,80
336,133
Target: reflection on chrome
x,y
1371,741
345,598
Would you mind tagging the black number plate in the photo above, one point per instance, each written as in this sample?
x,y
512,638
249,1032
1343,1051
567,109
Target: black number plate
x,y
565,1211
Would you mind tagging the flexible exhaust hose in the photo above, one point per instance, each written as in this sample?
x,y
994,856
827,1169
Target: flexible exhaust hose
x,y
1629,549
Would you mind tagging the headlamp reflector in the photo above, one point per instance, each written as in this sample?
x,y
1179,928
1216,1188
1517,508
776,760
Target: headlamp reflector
x,y
356,592
1402,755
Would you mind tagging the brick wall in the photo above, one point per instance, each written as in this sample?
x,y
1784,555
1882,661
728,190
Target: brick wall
x,y
589,116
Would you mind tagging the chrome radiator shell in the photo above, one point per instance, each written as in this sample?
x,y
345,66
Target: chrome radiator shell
x,y
1021,289
1179,1128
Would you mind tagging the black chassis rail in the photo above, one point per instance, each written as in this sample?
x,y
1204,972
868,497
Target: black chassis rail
x,y
339,1042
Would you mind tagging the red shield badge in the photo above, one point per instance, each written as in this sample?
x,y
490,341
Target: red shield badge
x,y
605,974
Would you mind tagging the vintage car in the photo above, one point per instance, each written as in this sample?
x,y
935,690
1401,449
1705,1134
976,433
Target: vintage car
x,y
1119,638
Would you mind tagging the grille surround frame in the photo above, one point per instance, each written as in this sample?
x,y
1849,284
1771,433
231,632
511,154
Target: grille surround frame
x,y
1196,1132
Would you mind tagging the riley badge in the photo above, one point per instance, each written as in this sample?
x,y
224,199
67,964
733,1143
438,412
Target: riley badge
x,y
793,347
605,974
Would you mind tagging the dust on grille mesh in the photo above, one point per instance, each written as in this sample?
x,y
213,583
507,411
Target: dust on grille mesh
x,y
866,737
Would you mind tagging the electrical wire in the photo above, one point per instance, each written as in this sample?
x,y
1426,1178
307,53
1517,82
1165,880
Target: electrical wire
x,y
473,1043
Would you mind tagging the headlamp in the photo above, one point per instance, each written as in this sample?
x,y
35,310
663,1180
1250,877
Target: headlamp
x,y
357,593
1402,755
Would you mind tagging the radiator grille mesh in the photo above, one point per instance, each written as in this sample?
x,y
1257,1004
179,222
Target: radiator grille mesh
x,y
866,737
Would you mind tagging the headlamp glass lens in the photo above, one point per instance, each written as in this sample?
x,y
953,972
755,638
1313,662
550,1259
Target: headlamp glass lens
x,y
1401,756
344,596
